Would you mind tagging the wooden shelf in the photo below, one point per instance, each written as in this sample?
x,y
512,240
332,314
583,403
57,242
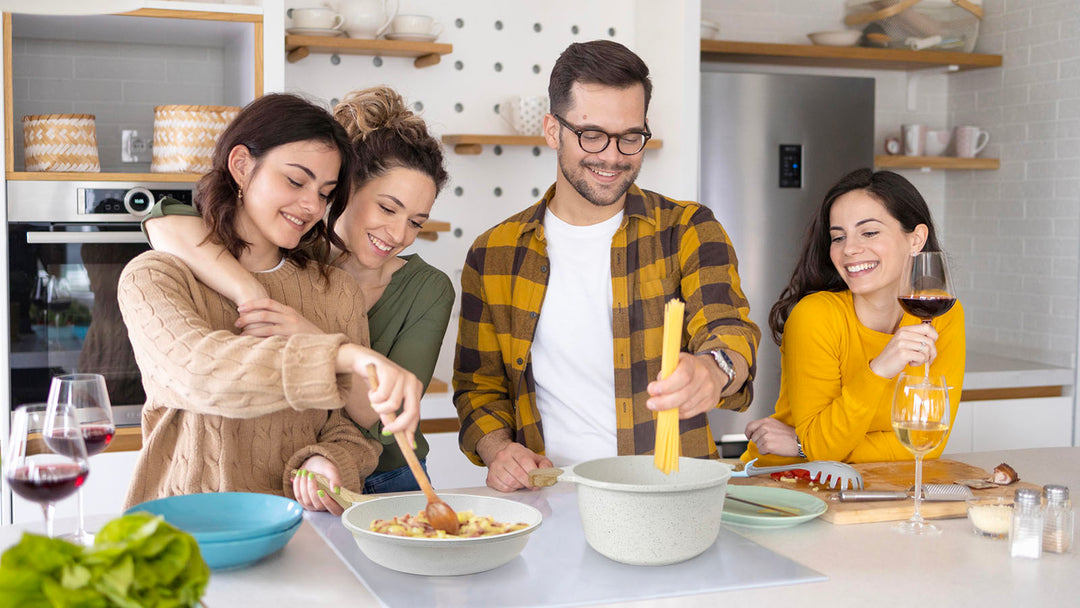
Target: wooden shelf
x,y
58,176
126,439
426,53
474,144
842,57
430,232
936,162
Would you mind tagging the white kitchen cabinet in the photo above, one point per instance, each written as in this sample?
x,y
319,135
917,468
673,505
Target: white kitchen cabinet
x,y
961,431
1012,424
448,467
103,492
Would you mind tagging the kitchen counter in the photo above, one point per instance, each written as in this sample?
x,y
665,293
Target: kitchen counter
x,y
992,371
867,564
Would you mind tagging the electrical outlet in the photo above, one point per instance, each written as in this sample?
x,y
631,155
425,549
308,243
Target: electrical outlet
x,y
134,149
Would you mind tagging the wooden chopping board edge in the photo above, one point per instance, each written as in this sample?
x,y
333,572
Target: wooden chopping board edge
x,y
893,476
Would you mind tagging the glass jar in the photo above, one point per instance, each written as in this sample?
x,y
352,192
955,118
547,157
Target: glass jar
x,y
1058,519
1026,531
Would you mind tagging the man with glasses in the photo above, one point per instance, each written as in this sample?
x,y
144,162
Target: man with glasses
x,y
562,306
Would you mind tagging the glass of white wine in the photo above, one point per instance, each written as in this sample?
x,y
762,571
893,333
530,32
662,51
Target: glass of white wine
x,y
920,419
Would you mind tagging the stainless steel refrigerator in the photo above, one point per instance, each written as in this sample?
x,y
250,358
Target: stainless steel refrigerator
x,y
771,147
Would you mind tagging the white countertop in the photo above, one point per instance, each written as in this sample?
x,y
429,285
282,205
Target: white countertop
x,y
984,370
867,564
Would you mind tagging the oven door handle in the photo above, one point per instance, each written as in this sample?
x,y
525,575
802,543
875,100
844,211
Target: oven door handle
x,y
37,238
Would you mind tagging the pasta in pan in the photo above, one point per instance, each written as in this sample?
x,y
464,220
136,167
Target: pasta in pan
x,y
417,526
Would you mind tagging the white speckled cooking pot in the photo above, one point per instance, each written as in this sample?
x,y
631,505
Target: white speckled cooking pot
x,y
635,514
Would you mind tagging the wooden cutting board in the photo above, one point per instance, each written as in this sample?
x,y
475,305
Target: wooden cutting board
x,y
892,476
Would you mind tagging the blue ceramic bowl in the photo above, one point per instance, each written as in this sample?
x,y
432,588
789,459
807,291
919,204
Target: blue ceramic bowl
x,y
226,516
235,554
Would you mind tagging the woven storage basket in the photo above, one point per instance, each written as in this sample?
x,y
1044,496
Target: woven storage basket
x,y
60,142
184,136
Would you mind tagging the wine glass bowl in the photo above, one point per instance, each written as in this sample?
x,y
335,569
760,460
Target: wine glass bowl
x,y
926,291
88,398
921,420
34,472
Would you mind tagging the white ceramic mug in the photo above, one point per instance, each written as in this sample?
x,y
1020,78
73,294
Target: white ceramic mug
x,y
316,18
970,141
421,25
368,18
525,114
937,142
914,139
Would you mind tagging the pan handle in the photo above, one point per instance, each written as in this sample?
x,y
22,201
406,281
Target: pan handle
x,y
542,478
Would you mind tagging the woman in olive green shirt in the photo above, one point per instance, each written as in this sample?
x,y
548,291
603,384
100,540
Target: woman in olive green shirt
x,y
399,173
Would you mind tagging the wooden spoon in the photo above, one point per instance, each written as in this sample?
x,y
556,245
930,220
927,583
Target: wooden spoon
x,y
439,514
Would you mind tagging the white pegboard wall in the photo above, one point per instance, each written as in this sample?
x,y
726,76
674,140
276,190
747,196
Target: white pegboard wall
x,y
500,50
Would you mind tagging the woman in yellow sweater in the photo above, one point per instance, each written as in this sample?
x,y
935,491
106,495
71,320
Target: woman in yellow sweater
x,y
843,336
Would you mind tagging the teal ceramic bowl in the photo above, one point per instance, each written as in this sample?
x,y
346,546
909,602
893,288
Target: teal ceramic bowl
x,y
236,554
226,516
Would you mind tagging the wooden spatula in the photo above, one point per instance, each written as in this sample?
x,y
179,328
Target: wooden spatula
x,y
439,514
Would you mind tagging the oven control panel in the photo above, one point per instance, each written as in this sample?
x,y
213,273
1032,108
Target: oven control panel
x,y
135,201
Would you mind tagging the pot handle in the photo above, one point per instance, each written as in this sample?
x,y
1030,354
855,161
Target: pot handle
x,y
543,478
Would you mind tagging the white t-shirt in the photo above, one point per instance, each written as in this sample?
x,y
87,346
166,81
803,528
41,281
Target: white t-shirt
x,y
572,353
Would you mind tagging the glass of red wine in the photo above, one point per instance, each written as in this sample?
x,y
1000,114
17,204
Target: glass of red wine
x,y
928,290
88,399
36,473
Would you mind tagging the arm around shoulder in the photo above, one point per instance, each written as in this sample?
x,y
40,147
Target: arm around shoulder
x,y
174,229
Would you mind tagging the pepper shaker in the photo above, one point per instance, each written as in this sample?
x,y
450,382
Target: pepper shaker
x,y
1059,519
1026,531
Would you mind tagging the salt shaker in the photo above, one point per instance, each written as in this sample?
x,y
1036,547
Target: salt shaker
x,y
1026,532
1059,519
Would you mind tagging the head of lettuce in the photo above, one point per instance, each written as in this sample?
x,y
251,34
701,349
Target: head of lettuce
x,y
137,561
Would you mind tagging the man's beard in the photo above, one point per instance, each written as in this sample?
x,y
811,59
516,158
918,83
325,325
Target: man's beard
x,y
585,189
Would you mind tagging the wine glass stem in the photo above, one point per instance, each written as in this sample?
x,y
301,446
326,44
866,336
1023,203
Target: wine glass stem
x,y
47,510
927,374
917,516
81,531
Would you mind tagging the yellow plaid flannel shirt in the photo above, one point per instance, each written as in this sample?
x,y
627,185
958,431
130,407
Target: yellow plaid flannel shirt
x,y
663,249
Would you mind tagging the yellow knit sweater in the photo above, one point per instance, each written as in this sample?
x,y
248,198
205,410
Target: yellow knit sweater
x,y
226,412
840,409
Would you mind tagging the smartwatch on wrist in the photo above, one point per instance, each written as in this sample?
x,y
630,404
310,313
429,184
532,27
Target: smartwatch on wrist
x,y
726,366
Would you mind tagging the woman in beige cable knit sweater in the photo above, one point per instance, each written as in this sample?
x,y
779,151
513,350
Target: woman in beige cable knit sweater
x,y
226,412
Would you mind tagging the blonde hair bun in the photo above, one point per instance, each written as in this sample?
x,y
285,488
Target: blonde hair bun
x,y
368,110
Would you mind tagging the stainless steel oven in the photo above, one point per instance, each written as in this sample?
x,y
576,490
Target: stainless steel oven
x,y
67,244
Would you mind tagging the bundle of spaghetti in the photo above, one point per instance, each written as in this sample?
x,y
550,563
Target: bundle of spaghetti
x,y
666,456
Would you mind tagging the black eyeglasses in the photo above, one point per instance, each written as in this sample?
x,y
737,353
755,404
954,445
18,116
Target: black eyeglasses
x,y
595,141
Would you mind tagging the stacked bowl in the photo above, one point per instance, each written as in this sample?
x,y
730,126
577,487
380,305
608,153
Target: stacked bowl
x,y
233,529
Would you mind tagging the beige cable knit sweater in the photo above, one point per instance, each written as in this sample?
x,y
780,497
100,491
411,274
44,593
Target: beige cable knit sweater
x,y
226,412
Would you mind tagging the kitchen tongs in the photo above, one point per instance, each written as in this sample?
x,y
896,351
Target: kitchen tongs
x,y
835,475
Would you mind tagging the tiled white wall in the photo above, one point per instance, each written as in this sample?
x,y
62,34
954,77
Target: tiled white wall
x,y
1015,232
119,83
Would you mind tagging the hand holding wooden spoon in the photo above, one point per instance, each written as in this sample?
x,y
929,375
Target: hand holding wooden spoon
x,y
439,514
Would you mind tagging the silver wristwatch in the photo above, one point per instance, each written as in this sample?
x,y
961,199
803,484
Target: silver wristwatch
x,y
726,366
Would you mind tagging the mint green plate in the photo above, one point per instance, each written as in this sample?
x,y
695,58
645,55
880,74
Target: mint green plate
x,y
742,514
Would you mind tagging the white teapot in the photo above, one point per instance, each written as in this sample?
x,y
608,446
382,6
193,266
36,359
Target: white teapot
x,y
367,18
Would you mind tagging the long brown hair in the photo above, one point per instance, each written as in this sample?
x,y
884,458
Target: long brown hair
x,y
264,124
815,271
